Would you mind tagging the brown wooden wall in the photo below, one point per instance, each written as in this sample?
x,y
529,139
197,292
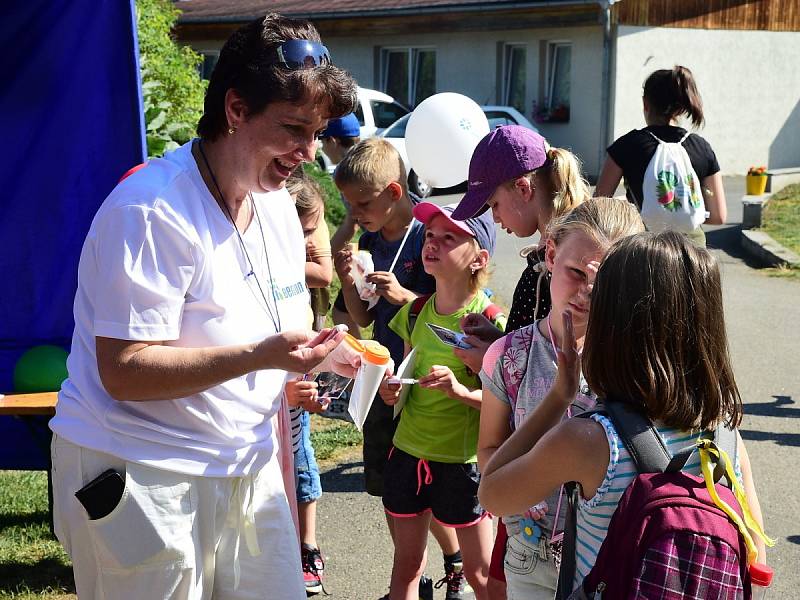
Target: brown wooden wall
x,y
772,15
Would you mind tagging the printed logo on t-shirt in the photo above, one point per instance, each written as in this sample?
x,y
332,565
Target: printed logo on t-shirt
x,y
409,265
287,291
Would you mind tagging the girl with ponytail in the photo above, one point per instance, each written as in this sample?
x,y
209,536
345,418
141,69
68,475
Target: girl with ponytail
x,y
669,94
526,184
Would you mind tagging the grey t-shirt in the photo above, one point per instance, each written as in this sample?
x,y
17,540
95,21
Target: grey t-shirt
x,y
527,362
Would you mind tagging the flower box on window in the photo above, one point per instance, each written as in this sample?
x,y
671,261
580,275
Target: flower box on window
x,y
555,114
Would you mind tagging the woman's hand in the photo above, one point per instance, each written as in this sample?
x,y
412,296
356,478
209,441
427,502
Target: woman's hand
x,y
303,394
296,351
442,378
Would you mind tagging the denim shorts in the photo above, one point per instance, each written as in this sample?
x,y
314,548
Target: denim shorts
x,y
306,470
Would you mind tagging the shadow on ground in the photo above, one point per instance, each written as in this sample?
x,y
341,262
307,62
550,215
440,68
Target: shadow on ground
x,y
777,408
728,238
46,575
782,439
9,520
345,477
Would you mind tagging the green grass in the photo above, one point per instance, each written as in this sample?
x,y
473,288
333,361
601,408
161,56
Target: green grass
x,y
781,220
329,436
781,217
32,562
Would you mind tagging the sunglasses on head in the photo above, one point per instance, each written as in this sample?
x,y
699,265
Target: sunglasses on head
x,y
302,54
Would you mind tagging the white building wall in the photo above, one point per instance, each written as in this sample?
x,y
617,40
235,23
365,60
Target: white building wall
x,y
749,82
467,63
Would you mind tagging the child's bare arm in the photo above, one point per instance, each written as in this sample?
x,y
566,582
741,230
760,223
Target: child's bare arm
x,y
442,378
494,428
344,233
319,272
752,497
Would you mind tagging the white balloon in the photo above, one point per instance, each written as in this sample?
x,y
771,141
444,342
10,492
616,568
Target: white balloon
x,y
441,135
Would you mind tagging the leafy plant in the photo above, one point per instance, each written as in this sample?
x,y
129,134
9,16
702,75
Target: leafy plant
x,y
757,171
334,208
171,85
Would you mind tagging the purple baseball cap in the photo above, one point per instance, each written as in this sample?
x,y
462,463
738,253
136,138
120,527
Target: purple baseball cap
x,y
502,155
480,227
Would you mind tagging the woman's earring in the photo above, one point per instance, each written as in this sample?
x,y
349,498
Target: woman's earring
x,y
231,130
472,270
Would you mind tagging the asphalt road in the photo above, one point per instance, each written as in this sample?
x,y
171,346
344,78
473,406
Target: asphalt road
x,y
762,315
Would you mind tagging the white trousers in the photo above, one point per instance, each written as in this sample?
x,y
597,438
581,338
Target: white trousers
x,y
175,536
530,570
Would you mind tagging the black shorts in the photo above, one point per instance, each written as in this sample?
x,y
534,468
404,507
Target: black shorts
x,y
448,490
338,304
379,427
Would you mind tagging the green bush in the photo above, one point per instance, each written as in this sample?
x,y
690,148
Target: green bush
x,y
334,208
171,85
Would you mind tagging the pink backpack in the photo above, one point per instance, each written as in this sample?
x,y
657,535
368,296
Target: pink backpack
x,y
667,539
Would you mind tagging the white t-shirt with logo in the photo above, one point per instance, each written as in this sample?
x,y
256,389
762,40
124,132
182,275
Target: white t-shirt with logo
x,y
162,262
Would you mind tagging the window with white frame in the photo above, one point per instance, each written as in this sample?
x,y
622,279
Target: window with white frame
x,y
408,74
556,98
514,75
210,58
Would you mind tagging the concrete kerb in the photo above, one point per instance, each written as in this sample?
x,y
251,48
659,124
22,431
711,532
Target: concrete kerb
x,y
767,250
759,244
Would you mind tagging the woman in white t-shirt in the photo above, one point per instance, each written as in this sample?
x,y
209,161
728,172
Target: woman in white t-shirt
x,y
190,311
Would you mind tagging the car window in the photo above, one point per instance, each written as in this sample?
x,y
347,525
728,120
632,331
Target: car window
x,y
359,115
498,118
398,130
386,113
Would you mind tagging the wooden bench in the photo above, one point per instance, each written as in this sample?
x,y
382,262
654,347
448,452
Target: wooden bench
x,y
30,405
43,403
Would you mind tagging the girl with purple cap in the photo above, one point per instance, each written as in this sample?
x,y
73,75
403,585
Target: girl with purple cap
x,y
525,183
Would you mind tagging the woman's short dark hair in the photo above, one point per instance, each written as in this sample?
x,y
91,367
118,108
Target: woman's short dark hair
x,y
656,333
672,92
247,63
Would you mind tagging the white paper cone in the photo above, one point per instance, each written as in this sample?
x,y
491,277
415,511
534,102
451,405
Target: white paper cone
x,y
368,380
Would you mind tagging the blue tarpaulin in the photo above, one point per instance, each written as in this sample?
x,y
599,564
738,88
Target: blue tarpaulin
x,y
72,124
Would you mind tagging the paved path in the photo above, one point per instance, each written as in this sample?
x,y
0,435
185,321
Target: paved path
x,y
762,315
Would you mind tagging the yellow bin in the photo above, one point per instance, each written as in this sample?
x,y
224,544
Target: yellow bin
x,y
756,184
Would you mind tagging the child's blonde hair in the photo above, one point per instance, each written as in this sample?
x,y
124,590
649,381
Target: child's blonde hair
x,y
562,179
373,163
604,220
479,278
306,192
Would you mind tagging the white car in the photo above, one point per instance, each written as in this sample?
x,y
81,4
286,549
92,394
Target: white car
x,y
395,134
375,112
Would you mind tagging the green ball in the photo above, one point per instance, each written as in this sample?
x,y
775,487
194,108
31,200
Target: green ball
x,y
40,369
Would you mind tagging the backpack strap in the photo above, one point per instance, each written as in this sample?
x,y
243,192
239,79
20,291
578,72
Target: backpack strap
x,y
416,307
642,441
492,312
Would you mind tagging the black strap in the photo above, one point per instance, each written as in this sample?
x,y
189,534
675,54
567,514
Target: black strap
x,y
566,573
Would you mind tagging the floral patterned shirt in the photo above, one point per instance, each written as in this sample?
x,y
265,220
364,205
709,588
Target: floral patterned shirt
x,y
519,369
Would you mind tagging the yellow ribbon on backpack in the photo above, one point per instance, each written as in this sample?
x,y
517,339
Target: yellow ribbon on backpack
x,y
710,455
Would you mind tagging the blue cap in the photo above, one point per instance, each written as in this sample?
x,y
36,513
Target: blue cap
x,y
346,126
